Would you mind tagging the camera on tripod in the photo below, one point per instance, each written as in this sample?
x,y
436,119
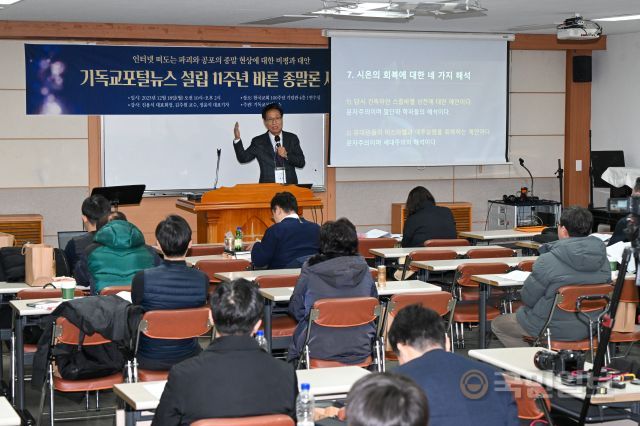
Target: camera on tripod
x,y
625,205
559,362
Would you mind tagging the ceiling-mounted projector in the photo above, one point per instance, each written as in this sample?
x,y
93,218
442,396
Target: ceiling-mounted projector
x,y
578,28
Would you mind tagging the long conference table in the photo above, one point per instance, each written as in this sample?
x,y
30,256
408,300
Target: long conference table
x,y
326,383
496,235
520,362
493,280
283,294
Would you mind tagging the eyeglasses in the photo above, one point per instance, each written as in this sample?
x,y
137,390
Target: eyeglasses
x,y
273,120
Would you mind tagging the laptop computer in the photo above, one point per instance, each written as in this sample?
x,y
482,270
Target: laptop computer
x,y
65,236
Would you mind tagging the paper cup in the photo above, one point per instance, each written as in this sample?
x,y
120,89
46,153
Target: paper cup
x,y
68,289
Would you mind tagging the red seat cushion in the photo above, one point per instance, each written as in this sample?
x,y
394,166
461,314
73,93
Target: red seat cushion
x,y
152,375
619,337
323,363
100,383
283,326
578,345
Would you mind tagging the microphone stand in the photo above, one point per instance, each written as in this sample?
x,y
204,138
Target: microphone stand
x,y
215,184
560,174
530,175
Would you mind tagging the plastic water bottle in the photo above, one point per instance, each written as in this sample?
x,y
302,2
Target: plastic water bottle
x,y
304,406
238,242
262,341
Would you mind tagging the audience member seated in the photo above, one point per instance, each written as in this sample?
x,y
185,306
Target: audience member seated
x,y
619,233
172,285
233,377
460,391
337,271
289,242
93,209
576,258
117,253
426,221
385,399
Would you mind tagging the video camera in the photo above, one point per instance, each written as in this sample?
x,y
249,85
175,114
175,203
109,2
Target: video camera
x,y
559,362
625,205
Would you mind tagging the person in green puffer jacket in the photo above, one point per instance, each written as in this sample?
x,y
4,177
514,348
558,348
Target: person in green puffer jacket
x,y
118,251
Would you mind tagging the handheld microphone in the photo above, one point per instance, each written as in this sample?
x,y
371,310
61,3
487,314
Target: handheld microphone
x,y
528,171
219,152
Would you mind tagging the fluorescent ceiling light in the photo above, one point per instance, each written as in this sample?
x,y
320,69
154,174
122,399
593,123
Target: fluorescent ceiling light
x,y
8,1
618,18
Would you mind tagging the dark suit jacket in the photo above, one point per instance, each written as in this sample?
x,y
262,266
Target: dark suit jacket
x,y
233,377
285,242
441,373
429,222
262,149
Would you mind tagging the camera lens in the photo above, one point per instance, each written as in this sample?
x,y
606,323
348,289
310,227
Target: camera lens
x,y
544,360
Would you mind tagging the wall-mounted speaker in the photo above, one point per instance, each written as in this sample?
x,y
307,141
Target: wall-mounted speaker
x,y
582,69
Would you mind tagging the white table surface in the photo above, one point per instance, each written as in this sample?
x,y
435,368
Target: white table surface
x,y
497,280
12,288
24,311
528,244
191,260
252,275
8,416
138,395
397,252
283,294
497,234
450,265
324,382
520,361
333,382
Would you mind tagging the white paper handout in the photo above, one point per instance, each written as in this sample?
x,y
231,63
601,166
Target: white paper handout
x,y
614,254
516,275
377,233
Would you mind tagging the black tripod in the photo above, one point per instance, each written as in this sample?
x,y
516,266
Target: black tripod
x,y
609,318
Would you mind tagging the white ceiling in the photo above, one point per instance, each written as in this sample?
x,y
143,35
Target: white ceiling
x,y
502,15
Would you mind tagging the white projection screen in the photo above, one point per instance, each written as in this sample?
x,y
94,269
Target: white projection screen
x,y
418,101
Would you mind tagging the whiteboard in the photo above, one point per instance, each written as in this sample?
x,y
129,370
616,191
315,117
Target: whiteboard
x,y
178,152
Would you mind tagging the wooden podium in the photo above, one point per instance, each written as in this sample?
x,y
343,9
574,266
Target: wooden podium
x,y
244,205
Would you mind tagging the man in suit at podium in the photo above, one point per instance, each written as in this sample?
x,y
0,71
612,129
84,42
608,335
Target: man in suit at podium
x,y
278,152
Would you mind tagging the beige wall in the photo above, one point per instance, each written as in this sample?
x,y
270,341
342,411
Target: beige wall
x,y
45,159
536,133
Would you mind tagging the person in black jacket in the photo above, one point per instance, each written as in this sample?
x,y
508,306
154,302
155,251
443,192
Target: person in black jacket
x,y
233,377
278,152
620,231
425,220
172,285
338,271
